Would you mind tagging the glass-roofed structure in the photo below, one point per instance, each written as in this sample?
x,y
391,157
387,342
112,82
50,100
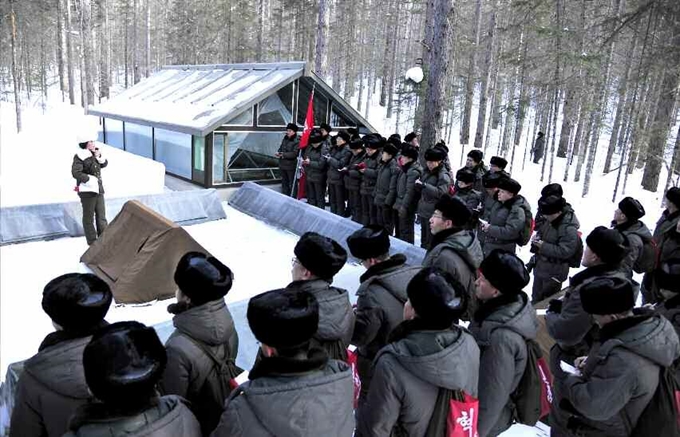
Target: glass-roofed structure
x,y
217,125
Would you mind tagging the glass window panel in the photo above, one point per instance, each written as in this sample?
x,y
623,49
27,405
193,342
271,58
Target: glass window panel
x,y
339,119
320,105
114,132
199,153
273,111
174,150
245,118
251,155
138,140
220,151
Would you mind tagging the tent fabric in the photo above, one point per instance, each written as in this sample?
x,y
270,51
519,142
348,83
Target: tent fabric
x,y
138,253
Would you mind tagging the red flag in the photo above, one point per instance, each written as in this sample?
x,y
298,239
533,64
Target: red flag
x,y
304,140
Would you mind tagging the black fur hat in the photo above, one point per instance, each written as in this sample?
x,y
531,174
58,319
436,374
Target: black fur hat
x,y
551,205
435,154
202,278
410,152
608,295
465,175
491,180
373,141
673,196
476,155
553,189
505,271
499,162
320,255
437,297
315,136
344,135
356,144
390,149
632,208
410,137
608,244
454,209
283,318
292,126
510,185
369,242
77,301
123,362
325,126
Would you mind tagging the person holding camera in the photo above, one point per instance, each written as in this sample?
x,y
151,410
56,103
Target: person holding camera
x,y
86,170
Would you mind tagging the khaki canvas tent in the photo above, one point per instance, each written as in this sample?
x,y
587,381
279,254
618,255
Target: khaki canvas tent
x,y
138,253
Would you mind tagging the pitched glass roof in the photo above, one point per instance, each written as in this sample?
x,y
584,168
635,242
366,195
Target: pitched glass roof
x,y
196,99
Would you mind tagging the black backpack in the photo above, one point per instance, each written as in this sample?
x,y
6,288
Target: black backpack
x,y
209,403
646,262
529,225
575,259
660,416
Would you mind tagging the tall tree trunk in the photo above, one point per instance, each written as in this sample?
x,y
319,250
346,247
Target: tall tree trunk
x,y
103,26
69,55
639,121
387,57
620,107
320,54
126,49
60,49
486,70
135,44
260,26
470,81
522,104
662,121
600,108
556,97
88,55
674,161
15,69
147,40
438,63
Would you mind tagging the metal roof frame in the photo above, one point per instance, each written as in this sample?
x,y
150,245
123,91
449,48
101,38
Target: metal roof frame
x,y
305,71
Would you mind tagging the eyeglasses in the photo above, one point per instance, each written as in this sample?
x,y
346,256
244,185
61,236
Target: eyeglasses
x,y
294,261
438,216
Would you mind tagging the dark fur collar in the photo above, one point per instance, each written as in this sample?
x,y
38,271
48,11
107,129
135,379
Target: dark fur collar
x,y
276,366
611,330
508,203
57,337
591,272
490,306
406,327
625,225
394,261
440,236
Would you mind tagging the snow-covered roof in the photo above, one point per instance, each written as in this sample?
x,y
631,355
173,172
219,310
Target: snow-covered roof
x,y
196,99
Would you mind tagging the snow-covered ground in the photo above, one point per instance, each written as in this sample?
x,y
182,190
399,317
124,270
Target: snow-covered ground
x,y
35,168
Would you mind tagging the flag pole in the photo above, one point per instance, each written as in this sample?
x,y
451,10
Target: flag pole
x,y
309,118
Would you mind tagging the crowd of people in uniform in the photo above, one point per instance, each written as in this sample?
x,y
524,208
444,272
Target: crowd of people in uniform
x,y
461,321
